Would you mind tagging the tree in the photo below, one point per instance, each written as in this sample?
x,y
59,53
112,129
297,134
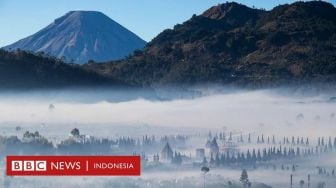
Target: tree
x,y
301,183
319,141
26,134
204,170
254,156
329,144
75,132
259,155
244,178
248,156
217,160
36,134
204,162
17,128
293,168
212,160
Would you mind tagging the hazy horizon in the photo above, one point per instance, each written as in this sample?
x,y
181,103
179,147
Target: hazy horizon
x,y
262,110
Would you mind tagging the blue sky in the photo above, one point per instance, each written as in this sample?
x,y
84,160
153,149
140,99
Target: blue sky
x,y
146,18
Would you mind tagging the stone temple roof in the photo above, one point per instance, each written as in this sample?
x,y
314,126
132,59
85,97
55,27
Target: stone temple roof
x,y
167,149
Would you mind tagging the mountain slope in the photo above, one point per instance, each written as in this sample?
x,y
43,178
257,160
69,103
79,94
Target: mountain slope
x,y
24,70
81,36
234,44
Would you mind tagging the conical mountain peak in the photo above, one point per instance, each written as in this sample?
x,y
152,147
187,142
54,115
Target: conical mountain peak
x,y
80,36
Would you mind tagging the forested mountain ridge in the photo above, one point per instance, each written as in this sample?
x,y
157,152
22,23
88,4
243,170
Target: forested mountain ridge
x,y
233,44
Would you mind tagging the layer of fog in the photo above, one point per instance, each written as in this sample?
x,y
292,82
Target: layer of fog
x,y
252,111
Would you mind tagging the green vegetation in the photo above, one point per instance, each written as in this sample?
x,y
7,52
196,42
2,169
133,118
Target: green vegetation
x,y
234,44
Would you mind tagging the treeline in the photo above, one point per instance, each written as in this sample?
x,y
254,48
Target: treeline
x,y
35,143
264,155
22,69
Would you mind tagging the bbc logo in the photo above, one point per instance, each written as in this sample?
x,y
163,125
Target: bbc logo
x,y
29,165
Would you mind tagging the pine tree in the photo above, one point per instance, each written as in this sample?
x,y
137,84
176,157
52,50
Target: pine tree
x,y
239,159
244,178
248,156
297,151
254,156
212,160
264,154
329,144
269,153
223,160
285,152
204,162
258,155
242,158
298,141
301,183
217,160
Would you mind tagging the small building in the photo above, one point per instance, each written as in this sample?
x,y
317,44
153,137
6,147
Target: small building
x,y
167,153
